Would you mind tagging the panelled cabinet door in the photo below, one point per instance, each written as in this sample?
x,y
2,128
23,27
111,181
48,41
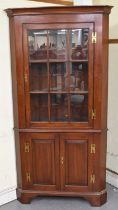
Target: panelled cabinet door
x,y
40,161
76,162
58,76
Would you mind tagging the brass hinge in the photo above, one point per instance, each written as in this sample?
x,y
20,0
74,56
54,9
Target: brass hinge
x,y
28,177
26,77
92,179
27,147
93,148
93,114
94,37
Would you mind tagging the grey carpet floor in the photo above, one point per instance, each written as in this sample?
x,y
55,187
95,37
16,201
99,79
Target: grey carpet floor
x,y
57,203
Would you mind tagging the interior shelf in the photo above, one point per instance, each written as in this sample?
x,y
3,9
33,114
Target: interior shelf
x,y
37,61
57,92
79,61
56,61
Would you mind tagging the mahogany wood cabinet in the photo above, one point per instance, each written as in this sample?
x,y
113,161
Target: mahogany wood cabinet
x,y
60,72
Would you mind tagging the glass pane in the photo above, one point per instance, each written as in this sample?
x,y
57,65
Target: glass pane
x,y
37,44
79,40
57,44
58,77
58,89
59,107
39,107
79,107
79,76
38,77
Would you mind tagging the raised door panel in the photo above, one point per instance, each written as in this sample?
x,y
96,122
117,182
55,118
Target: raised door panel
x,y
75,162
42,161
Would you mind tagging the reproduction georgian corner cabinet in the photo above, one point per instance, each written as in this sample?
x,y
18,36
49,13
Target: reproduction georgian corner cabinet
x,y
60,71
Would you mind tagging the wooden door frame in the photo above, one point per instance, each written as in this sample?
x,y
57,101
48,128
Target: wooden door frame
x,y
32,124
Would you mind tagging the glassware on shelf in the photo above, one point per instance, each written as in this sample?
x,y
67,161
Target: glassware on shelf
x,y
37,44
78,77
79,40
57,44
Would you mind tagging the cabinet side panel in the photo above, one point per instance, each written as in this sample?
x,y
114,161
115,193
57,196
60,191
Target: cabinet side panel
x,y
18,159
17,72
101,71
105,46
13,69
15,99
100,161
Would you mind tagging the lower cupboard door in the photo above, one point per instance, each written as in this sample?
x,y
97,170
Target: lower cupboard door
x,y
76,162
40,167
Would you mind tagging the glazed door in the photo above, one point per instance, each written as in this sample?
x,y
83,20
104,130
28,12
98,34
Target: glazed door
x,y
59,75
76,162
40,161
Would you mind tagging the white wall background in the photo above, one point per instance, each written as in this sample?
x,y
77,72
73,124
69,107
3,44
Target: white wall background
x,y
82,2
7,151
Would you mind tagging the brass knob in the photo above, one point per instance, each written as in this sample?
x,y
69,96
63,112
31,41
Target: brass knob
x,y
66,115
62,160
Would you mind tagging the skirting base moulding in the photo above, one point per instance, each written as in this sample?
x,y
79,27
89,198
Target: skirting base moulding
x,y
7,195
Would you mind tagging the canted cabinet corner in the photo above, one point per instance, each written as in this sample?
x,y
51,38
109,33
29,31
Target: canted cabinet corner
x,y
59,91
